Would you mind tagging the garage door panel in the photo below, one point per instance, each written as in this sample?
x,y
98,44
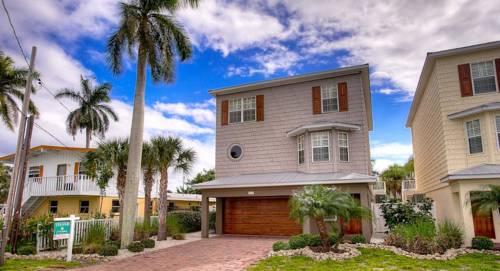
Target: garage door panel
x,y
259,216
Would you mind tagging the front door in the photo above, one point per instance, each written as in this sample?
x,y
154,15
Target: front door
x,y
61,174
354,225
483,225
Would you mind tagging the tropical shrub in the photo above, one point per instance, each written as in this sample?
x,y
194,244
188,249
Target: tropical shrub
x,y
173,225
358,239
108,250
280,245
449,235
189,221
299,241
95,234
91,248
115,243
26,250
395,212
418,237
148,243
482,242
135,247
314,240
334,239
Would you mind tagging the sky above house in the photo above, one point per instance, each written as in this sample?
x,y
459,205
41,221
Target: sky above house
x,y
238,42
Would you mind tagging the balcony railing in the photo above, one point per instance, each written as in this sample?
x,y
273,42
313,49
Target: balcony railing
x,y
409,185
379,187
60,185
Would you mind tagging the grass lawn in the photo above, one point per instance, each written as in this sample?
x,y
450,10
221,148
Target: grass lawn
x,y
27,265
377,259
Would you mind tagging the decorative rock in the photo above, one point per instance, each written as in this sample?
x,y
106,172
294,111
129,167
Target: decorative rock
x,y
349,252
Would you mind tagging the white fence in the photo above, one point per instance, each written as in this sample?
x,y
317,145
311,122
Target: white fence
x,y
44,238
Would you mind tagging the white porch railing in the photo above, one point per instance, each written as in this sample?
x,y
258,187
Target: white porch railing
x,y
409,185
379,187
60,185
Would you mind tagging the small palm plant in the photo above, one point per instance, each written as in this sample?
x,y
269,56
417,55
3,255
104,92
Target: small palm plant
x,y
320,202
485,202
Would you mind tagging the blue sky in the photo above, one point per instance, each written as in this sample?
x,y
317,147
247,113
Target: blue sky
x,y
238,42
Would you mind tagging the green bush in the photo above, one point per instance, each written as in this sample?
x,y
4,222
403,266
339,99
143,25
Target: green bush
x,y
418,237
91,248
449,235
190,221
395,212
280,245
148,243
115,243
135,247
173,225
334,239
95,235
77,250
299,241
26,250
358,239
314,240
482,242
108,250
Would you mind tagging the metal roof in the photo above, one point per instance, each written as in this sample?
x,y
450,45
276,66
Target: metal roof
x,y
483,171
475,110
285,179
42,148
185,197
322,126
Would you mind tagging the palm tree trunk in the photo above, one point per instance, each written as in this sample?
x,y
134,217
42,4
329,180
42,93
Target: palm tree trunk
x,y
120,186
148,186
323,232
163,205
87,137
135,153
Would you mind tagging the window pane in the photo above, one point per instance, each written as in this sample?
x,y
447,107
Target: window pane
x,y
249,115
249,103
235,105
329,98
320,139
84,206
483,75
321,154
475,145
485,85
344,154
301,157
34,172
235,116
473,128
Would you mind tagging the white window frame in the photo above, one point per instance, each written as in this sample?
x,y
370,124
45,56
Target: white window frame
x,y
300,147
468,137
346,146
31,170
494,75
242,109
497,126
327,133
325,87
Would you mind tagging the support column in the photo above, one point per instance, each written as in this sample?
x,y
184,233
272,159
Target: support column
x,y
219,211
204,216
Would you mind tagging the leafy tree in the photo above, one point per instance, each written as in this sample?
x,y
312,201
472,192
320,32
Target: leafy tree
x,y
319,202
395,212
150,29
201,177
410,168
171,155
4,182
93,112
149,167
98,168
485,202
12,84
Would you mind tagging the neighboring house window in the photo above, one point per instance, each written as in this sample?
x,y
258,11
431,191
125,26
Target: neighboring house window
x,y
320,146
329,98
242,110
53,206
115,206
344,147
474,136
483,77
81,169
34,172
497,121
84,206
300,149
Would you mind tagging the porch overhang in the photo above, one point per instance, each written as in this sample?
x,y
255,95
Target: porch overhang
x,y
323,126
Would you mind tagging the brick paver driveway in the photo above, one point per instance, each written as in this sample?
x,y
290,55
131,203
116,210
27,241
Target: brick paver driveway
x,y
218,253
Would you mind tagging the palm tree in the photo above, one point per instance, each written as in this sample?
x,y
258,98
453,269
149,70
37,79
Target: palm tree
x,y
171,154
485,202
319,202
393,178
148,27
93,110
12,81
149,167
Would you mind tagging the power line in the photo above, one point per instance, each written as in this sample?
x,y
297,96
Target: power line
x,y
14,32
43,129
53,95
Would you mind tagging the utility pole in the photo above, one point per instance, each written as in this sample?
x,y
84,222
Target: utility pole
x,y
14,184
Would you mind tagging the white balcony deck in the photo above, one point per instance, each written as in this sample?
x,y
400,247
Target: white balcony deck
x,y
60,186
378,187
409,185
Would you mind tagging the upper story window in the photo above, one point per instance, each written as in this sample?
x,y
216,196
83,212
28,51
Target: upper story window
x,y
329,98
242,110
474,136
34,172
497,122
343,147
84,206
300,149
320,143
483,77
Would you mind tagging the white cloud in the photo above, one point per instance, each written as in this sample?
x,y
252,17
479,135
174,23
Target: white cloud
x,y
386,154
201,113
382,164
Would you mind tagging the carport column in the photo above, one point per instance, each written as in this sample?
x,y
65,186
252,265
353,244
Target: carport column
x,y
219,210
204,216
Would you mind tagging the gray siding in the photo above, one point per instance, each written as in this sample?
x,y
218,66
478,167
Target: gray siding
x,y
266,148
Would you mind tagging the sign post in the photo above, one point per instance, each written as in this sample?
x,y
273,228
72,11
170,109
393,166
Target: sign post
x,y
64,228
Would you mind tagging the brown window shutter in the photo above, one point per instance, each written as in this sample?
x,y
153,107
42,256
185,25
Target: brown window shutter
x,y
316,100
465,80
497,67
41,171
224,112
343,101
76,169
259,100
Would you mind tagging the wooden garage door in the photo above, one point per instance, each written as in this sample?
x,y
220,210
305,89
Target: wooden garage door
x,y
259,216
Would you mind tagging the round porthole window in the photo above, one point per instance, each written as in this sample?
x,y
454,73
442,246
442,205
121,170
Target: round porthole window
x,y
235,152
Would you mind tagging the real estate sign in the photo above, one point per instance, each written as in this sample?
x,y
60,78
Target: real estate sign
x,y
62,229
